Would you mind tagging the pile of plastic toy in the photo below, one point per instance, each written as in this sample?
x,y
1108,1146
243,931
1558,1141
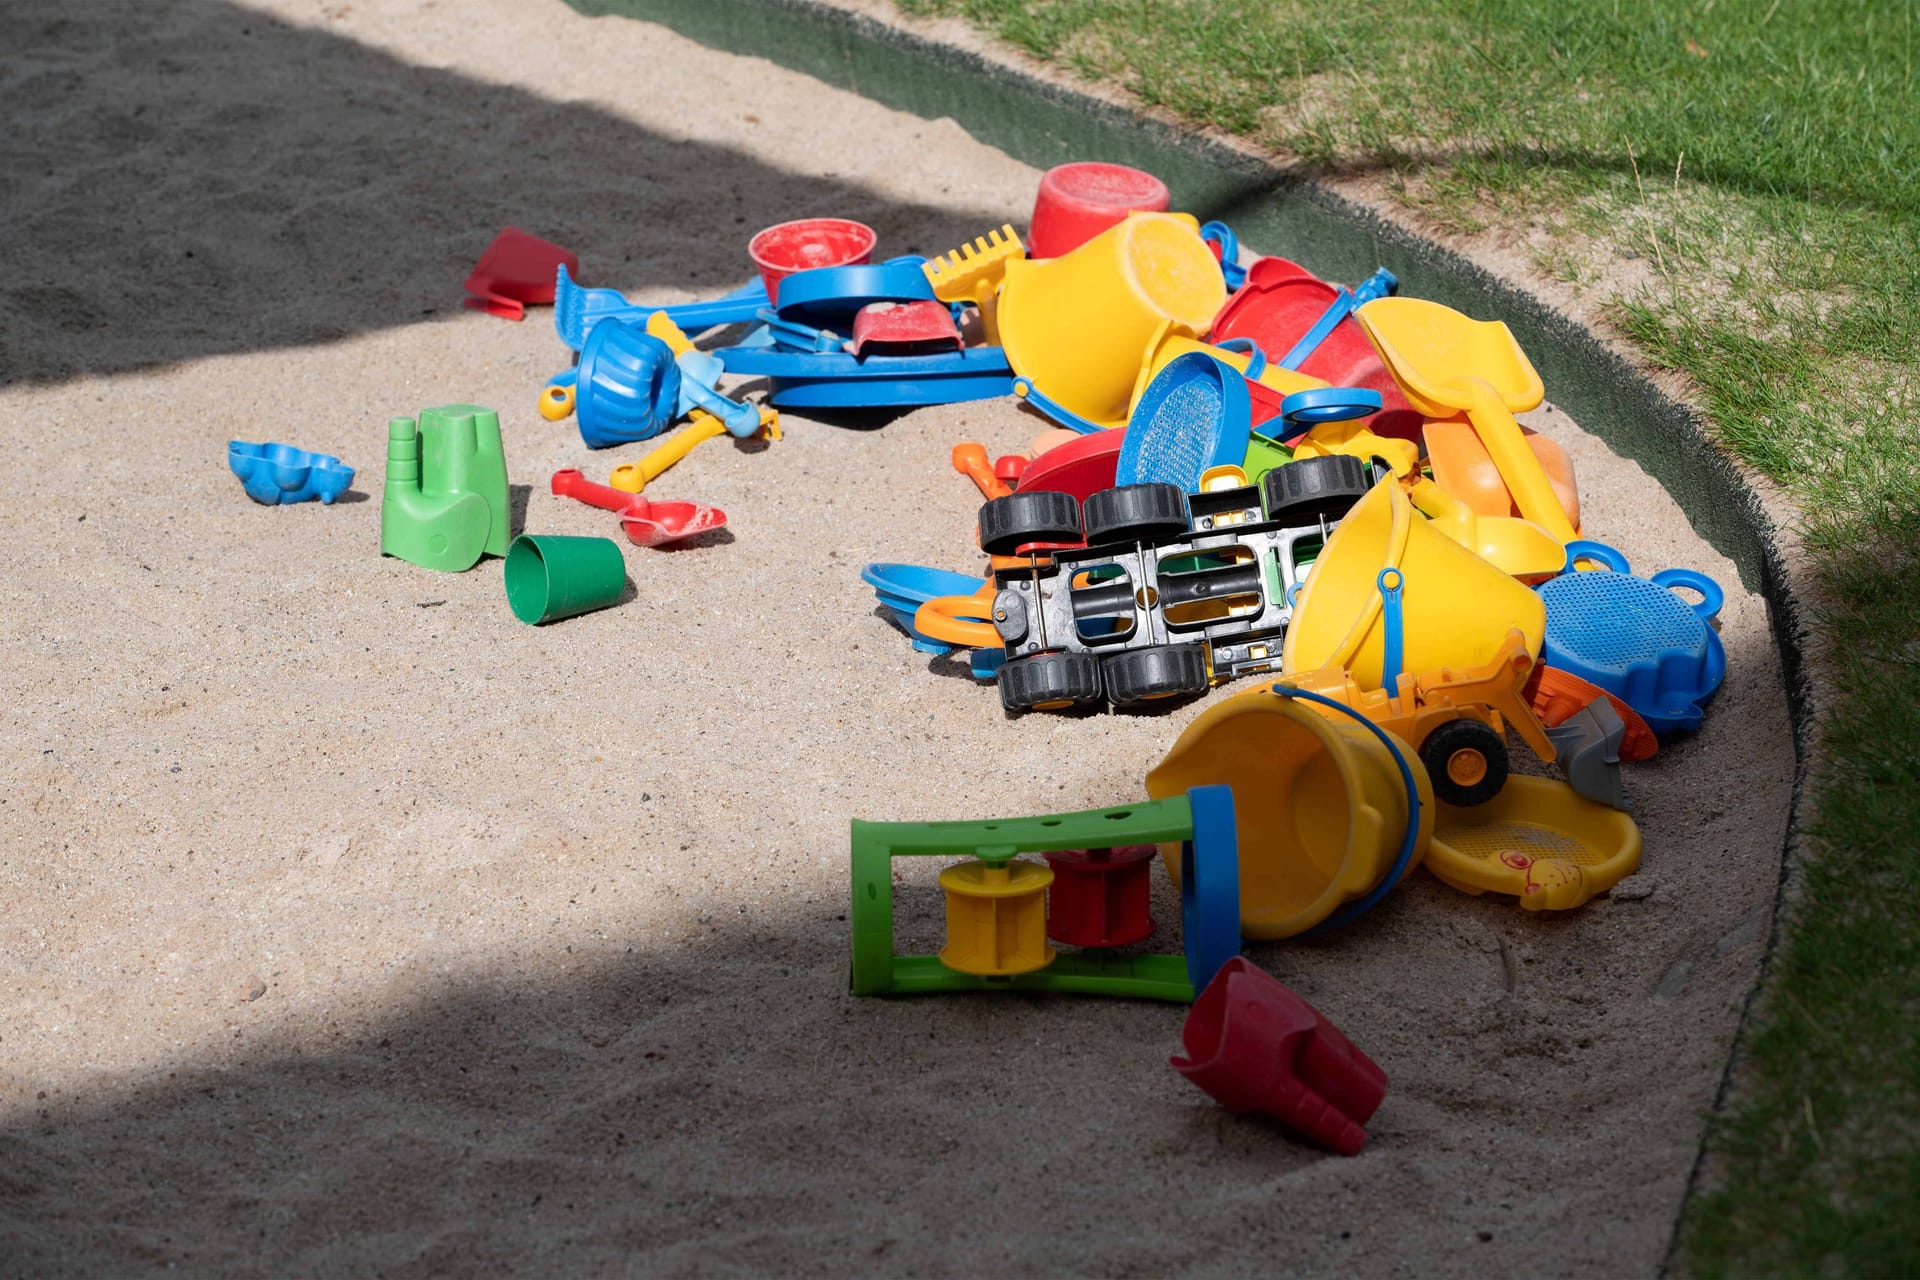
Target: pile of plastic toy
x,y
1245,473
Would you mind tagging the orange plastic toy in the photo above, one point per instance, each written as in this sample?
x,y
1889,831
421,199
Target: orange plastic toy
x,y
1557,696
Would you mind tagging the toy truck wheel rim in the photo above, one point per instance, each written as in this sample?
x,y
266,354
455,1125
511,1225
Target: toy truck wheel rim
x,y
1467,761
1136,513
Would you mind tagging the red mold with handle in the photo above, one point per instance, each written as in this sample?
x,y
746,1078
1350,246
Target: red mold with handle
x,y
1254,1046
802,245
647,524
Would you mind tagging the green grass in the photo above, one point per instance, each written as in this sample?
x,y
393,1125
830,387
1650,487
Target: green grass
x,y
1762,159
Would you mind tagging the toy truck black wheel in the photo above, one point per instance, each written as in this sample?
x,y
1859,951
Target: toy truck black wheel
x,y
1009,523
1162,671
1049,681
1310,490
1136,513
1467,761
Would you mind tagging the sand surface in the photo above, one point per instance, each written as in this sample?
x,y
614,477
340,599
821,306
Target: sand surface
x,y
348,926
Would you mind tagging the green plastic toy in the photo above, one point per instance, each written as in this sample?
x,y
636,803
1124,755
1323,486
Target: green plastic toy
x,y
1201,820
445,502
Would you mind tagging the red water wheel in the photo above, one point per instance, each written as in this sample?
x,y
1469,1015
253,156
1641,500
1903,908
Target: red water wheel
x,y
1100,897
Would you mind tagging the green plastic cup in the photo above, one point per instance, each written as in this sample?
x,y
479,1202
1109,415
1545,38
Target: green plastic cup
x,y
551,577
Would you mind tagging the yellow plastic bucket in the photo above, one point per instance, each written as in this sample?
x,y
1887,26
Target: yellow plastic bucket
x,y
1319,803
1078,325
1456,607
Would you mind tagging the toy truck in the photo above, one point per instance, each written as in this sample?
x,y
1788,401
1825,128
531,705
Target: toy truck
x,y
1171,594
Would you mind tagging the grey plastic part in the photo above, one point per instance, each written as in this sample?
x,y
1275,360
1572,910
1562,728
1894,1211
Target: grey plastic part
x,y
1588,743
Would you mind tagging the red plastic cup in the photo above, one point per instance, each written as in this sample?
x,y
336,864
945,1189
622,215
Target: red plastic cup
x,y
1079,201
787,247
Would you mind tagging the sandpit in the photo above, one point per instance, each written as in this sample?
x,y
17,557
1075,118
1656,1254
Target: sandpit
x,y
349,926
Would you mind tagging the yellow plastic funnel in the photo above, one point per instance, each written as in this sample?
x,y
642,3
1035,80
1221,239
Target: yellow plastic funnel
x,y
1319,806
1447,363
1078,325
1456,607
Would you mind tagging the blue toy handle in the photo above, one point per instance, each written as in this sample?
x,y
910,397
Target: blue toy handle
x,y
1391,581
1221,234
1024,388
1584,549
740,419
1377,285
801,337
1712,597
1408,843
1307,409
1256,358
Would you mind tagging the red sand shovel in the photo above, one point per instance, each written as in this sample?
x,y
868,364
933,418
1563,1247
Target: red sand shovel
x,y
648,524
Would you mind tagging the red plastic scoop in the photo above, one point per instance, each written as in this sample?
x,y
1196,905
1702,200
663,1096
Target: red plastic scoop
x,y
901,328
648,524
517,269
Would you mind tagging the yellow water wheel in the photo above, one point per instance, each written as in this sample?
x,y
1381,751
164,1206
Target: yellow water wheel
x,y
996,917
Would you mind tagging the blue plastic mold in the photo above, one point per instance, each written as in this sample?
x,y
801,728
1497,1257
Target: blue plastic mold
x,y
626,387
825,294
903,588
577,310
277,474
1195,414
1636,638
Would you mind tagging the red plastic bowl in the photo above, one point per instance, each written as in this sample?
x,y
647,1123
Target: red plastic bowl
x,y
787,247
1079,201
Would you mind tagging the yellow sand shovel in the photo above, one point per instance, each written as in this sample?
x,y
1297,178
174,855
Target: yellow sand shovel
x,y
1447,363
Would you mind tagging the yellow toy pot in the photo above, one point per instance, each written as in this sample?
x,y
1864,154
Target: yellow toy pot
x,y
1077,326
1320,805
1456,607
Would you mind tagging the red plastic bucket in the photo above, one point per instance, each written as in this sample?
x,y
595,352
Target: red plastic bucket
x,y
1079,201
787,247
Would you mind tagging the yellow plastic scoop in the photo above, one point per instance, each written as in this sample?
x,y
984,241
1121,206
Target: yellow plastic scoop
x,y
1447,363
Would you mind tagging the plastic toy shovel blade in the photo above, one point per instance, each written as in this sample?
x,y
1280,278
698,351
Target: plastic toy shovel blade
x,y
666,522
517,269
1253,1045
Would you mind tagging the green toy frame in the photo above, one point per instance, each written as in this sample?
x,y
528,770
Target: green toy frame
x,y
1202,820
